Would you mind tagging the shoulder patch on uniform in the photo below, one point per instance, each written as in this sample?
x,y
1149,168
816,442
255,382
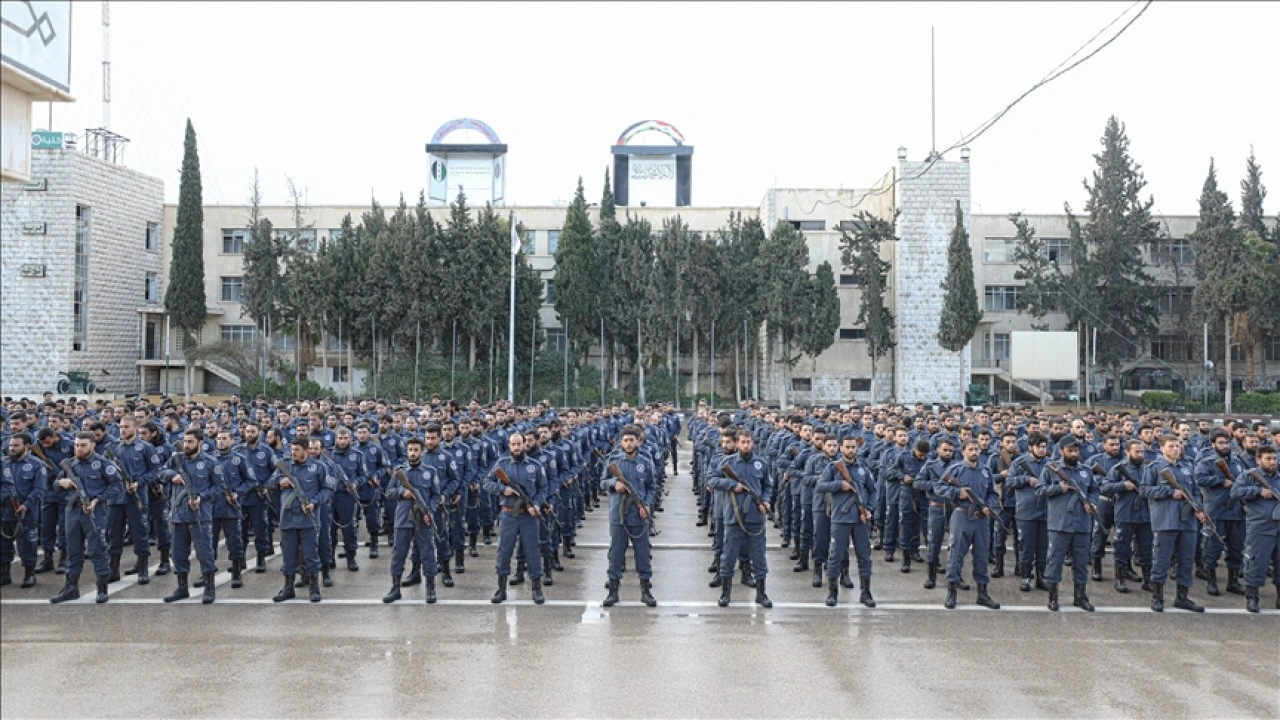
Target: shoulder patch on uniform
x,y
530,468
95,465
200,465
759,466
26,467
311,467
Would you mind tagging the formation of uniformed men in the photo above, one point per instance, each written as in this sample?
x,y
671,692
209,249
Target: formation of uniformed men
x,y
430,482
1055,492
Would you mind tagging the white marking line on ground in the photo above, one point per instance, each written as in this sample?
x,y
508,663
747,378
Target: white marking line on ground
x,y
592,606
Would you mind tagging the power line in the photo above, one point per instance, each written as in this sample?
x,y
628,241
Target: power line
x,y
984,127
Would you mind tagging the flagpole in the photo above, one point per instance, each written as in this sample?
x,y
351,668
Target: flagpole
x,y
511,318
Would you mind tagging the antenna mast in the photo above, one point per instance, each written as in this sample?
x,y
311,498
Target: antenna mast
x,y
106,65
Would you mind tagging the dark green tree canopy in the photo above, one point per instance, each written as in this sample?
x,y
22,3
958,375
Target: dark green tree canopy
x,y
960,311
184,299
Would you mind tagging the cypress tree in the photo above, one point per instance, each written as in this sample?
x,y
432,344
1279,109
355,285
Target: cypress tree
x,y
577,282
960,312
860,255
184,299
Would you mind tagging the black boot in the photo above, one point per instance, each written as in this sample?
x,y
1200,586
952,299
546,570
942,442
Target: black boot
x,y
1157,597
102,589
612,598
817,574
1025,583
261,566
519,578
1251,599
715,566
5,577
458,560
888,556
394,593
1182,602
501,594
725,591
70,591
476,553
114,563
304,579
415,575
286,593
1211,586
1129,574
237,582
373,548
351,562
568,548
445,577
716,581
833,592
554,559
46,563
646,593
931,581
998,570
762,599
536,588
984,599
1120,586
845,580
180,592
210,594
164,567
748,577
803,565
547,570
1146,578
324,573
1097,570
488,536
1053,597
906,563
795,551
429,585
950,602
62,563
1040,579
28,576
140,569
865,598
1082,600
1233,582
963,585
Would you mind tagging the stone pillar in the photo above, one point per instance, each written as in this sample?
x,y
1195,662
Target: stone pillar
x,y
924,371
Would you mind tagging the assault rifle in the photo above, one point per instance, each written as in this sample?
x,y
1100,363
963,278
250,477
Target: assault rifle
x,y
617,474
973,497
82,496
128,479
283,468
1124,472
1168,476
523,501
419,505
729,473
863,512
1084,499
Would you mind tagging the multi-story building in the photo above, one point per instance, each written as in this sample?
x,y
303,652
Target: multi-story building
x,y
80,270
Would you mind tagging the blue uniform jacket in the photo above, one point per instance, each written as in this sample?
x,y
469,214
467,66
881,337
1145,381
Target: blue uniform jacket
x,y
202,478
1065,511
976,479
524,472
141,462
1021,473
1129,504
24,481
239,477
1217,498
640,474
312,481
753,471
1167,513
1262,515
844,507
425,480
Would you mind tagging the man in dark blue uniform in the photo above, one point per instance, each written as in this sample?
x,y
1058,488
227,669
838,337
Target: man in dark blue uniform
x,y
413,527
23,483
852,493
521,484
630,480
1070,519
746,478
305,485
1216,472
1132,518
195,480
969,487
1173,520
1258,489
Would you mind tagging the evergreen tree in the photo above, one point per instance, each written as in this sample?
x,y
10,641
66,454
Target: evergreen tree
x,y
184,299
706,276
960,311
1262,272
821,317
617,321
635,296
783,262
1039,275
860,254
265,256
1219,248
577,282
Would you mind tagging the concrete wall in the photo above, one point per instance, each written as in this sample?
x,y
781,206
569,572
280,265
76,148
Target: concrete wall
x,y
924,371
38,311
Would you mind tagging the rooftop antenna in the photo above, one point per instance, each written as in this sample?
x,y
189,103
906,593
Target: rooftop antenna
x,y
933,98
106,65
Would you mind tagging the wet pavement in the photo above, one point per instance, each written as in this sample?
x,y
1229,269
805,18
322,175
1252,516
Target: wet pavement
x,y
353,656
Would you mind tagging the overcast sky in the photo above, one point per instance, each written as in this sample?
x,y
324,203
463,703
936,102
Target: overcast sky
x,y
344,96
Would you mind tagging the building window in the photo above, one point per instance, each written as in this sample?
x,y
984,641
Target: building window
x,y
853,334
555,340
152,291
335,234
282,342
860,385
331,343
549,297
152,241
1001,297
809,225
305,238
340,373
1170,348
1173,250
1272,349
242,334
801,385
1058,250
553,241
997,250
80,300
530,242
848,280
231,288
233,241
995,347
1174,300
